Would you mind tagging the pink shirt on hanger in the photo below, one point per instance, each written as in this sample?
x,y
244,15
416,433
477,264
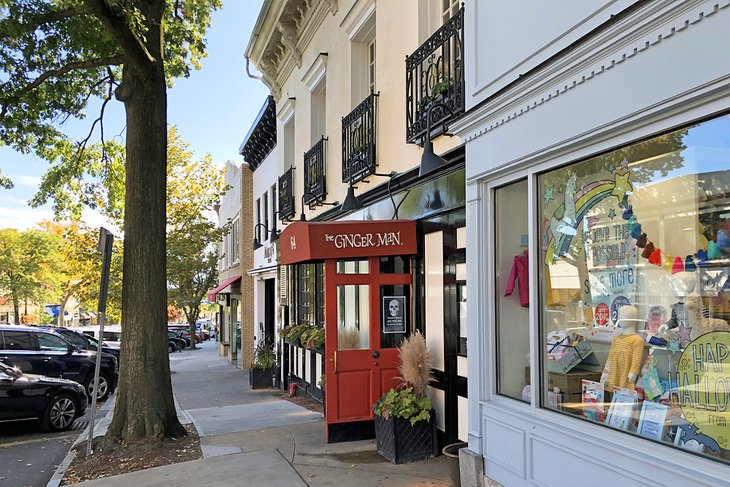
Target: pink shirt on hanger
x,y
521,273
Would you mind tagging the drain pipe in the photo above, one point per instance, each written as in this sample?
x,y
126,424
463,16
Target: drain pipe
x,y
248,71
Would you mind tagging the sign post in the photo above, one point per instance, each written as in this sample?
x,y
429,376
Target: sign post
x,y
106,242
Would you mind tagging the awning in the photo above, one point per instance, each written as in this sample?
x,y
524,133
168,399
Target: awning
x,y
304,241
221,287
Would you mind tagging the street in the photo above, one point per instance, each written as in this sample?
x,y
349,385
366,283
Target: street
x,y
29,456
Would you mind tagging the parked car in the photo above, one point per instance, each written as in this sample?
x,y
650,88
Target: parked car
x,y
179,334
85,342
112,334
175,343
56,403
43,351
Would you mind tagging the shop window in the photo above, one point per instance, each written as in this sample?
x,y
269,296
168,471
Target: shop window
x,y
353,266
395,264
353,317
634,289
512,294
310,294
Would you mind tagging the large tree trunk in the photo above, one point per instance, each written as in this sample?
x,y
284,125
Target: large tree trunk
x,y
145,407
16,310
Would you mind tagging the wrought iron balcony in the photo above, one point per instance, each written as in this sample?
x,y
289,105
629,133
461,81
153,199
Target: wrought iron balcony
x,y
286,195
358,141
435,81
315,187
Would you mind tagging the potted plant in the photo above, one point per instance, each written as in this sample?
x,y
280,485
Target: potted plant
x,y
313,338
261,372
405,427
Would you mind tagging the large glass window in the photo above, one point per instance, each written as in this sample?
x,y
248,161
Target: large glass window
x,y
512,294
634,290
310,294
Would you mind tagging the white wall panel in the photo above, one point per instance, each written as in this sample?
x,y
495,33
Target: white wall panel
x,y
433,256
463,407
438,401
461,364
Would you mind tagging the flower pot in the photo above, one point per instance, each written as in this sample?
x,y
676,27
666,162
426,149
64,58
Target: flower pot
x,y
261,378
451,452
399,442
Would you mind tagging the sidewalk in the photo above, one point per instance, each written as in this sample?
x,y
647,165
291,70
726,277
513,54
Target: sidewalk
x,y
253,438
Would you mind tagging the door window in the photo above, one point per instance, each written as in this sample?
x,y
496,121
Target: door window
x,y
353,317
353,266
396,303
18,340
46,341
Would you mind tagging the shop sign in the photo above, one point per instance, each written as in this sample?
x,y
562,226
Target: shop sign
x,y
394,314
305,241
703,377
269,252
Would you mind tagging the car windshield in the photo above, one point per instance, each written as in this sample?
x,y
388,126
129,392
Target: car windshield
x,y
73,337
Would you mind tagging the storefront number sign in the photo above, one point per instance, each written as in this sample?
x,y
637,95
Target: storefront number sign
x,y
703,376
394,314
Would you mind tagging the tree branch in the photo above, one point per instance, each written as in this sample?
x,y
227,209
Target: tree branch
x,y
118,25
38,20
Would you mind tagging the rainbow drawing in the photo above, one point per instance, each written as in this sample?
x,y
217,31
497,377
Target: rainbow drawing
x,y
586,198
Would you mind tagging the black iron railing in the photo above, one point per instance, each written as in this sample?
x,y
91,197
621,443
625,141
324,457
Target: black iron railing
x,y
435,80
358,141
315,187
286,195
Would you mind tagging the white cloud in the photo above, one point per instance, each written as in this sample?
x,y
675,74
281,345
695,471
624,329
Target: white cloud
x,y
23,218
32,181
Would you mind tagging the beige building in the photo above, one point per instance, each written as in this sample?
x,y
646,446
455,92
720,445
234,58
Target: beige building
x,y
351,116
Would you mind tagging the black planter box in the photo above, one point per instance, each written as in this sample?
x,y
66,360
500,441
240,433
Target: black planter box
x,y
261,378
399,442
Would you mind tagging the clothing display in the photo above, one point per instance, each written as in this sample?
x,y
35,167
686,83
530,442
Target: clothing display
x,y
626,355
521,273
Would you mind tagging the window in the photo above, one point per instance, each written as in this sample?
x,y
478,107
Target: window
x,y
234,237
18,340
362,58
432,14
310,294
512,297
634,290
265,209
319,112
274,209
257,230
46,341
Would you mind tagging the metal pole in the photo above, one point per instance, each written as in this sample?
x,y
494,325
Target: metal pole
x,y
106,242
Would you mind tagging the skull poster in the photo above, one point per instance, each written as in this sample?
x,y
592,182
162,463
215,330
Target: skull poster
x,y
394,314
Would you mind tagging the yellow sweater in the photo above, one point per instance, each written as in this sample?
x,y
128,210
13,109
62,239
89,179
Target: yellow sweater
x,y
625,356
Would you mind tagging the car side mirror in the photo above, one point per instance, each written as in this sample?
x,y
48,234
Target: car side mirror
x,y
72,349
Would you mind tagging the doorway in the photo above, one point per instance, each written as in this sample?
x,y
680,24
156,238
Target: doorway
x,y
269,310
368,311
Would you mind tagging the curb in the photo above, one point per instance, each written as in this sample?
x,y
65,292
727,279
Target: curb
x,y
60,471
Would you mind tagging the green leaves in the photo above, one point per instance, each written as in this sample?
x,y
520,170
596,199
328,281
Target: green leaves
x,y
403,404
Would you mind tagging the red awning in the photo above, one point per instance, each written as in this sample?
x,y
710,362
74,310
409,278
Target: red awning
x,y
304,241
221,286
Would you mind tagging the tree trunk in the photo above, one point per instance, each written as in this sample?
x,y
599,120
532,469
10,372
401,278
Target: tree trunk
x,y
16,309
61,311
145,407
192,317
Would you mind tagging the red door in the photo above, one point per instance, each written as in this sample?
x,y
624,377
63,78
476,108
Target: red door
x,y
361,357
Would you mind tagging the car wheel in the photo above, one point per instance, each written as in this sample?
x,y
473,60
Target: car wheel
x,y
104,386
60,413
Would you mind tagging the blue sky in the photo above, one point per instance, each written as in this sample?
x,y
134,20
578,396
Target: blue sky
x,y
213,110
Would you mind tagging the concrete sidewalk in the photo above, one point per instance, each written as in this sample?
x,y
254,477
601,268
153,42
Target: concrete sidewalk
x,y
253,438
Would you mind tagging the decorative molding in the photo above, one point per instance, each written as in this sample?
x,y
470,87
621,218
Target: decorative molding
x,y
269,78
286,110
332,5
289,39
316,71
357,16
607,50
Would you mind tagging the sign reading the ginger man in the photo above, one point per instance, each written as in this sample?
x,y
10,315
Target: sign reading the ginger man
x,y
394,314
703,376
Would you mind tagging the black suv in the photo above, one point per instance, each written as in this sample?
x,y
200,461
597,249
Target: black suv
x,y
84,342
44,352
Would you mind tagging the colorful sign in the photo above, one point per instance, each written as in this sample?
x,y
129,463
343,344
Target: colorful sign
x,y
703,378
602,314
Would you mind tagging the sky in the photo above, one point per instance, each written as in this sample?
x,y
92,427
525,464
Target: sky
x,y
213,110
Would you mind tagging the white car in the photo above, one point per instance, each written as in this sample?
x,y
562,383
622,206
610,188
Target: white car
x,y
112,334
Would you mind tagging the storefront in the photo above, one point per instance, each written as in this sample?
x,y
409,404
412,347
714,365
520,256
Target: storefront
x,y
416,266
227,295
599,203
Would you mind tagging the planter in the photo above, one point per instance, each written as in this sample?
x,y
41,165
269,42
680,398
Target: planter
x,y
451,452
261,378
399,442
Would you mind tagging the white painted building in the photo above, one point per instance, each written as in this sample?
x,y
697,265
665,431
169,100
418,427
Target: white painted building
x,y
598,151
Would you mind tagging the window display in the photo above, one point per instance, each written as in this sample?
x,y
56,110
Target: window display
x,y
634,280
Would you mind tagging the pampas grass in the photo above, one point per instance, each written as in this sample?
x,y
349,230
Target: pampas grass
x,y
415,363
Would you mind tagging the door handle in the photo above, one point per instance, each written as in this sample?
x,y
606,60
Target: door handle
x,y
376,354
334,360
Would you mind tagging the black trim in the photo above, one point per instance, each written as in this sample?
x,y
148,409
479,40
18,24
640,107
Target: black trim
x,y
261,137
352,431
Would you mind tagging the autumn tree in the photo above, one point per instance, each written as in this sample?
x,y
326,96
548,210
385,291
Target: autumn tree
x,y
26,260
193,187
54,56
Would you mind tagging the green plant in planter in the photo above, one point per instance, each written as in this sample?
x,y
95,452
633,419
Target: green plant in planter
x,y
403,404
264,356
442,87
296,331
313,338
408,400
